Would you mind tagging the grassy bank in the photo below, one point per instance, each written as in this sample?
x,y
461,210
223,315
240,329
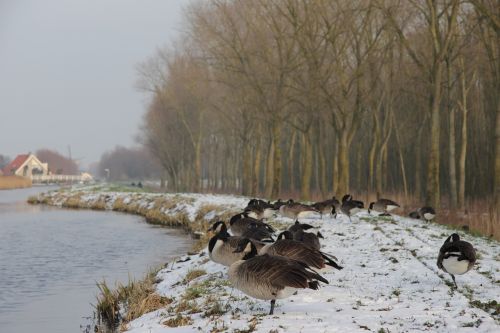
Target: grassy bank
x,y
193,293
13,182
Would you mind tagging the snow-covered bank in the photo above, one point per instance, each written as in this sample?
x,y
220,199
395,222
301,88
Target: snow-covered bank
x,y
390,281
193,211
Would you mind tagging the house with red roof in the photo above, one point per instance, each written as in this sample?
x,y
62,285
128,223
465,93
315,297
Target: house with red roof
x,y
26,165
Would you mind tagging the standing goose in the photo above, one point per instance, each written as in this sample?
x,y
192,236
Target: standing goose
x,y
383,206
350,207
296,250
270,277
456,257
221,247
241,223
296,210
428,213
324,208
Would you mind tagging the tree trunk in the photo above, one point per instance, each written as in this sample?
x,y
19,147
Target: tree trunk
x,y
246,186
401,158
463,147
322,161
268,185
371,154
291,173
343,156
335,171
276,185
256,169
381,174
197,166
307,163
432,189
452,142
418,160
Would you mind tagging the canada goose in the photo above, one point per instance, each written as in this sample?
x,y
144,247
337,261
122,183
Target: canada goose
x,y
221,247
324,208
296,250
259,209
350,207
428,213
259,212
271,277
296,210
383,206
241,223
456,256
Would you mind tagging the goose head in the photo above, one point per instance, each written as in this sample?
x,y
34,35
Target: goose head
x,y
346,198
218,227
247,247
236,218
285,235
453,238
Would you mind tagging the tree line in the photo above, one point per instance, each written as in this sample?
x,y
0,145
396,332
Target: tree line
x,y
330,96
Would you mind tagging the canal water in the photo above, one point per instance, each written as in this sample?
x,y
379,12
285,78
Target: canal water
x,y
51,259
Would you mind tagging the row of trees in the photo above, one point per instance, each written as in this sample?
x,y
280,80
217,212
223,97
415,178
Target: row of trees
x,y
125,163
58,164
266,97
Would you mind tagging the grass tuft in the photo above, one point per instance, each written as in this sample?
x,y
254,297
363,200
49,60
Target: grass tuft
x,y
193,274
177,321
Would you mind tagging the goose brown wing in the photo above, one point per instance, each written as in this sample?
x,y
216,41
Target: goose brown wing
x,y
257,233
234,240
388,202
298,251
277,271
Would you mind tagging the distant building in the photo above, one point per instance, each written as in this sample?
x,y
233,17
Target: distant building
x,y
26,165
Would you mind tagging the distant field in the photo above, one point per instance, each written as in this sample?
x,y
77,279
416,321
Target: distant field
x,y
11,182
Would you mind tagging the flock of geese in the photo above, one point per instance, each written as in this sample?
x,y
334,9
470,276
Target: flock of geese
x,y
269,269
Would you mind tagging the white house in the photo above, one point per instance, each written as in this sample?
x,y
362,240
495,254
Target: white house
x,y
26,165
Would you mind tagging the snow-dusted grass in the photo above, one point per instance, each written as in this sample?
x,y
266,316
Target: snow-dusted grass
x,y
390,283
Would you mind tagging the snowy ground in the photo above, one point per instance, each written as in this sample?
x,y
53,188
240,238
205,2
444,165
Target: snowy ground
x,y
390,283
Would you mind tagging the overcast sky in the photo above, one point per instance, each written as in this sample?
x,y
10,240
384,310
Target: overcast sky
x,y
67,71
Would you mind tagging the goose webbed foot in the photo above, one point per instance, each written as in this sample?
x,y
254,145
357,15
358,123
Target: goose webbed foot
x,y
272,307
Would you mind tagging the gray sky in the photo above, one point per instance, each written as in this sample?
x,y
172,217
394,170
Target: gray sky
x,y
67,71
